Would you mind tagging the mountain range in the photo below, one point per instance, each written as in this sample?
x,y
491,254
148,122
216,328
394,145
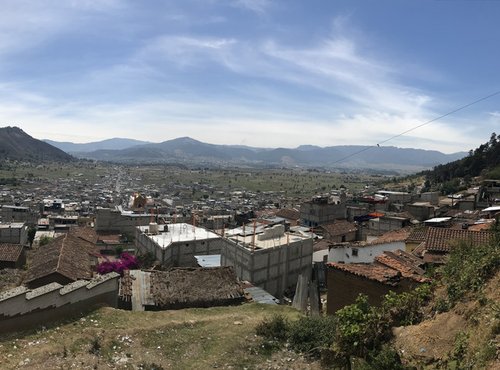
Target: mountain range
x,y
16,144
190,151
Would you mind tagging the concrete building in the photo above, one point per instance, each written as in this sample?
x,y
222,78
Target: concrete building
x,y
320,210
14,233
272,259
17,214
367,252
176,245
108,219
420,210
381,225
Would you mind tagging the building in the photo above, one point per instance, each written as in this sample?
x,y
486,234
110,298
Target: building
x,y
270,258
339,231
12,256
14,233
121,222
381,225
439,242
181,287
176,245
395,271
64,260
320,210
17,214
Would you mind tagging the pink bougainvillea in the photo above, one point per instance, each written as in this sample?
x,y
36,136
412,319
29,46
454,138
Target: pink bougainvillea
x,y
126,262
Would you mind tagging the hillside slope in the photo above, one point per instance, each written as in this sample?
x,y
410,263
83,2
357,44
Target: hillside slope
x,y
18,145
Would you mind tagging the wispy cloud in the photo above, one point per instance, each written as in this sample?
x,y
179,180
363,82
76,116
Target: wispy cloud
x,y
258,6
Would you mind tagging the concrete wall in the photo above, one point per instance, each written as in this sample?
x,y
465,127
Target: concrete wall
x,y
274,269
14,234
109,219
22,308
379,226
366,254
17,214
420,212
178,254
432,197
315,214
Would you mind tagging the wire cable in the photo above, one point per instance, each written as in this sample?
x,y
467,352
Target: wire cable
x,y
418,126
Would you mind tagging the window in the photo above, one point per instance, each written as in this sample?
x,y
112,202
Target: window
x,y
354,252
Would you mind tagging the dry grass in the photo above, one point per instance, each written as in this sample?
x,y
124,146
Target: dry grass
x,y
221,337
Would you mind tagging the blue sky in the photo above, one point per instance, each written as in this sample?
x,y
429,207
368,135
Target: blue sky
x,y
254,72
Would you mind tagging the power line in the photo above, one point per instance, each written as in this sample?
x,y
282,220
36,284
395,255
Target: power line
x,y
418,126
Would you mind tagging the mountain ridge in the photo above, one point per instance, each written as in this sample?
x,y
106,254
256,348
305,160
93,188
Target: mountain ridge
x,y
191,151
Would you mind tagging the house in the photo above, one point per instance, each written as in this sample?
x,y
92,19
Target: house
x,y
439,242
268,257
396,271
321,210
381,225
64,260
365,252
176,245
14,233
12,256
420,210
415,238
180,287
339,231
292,215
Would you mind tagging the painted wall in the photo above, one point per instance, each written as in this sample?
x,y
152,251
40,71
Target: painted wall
x,y
365,254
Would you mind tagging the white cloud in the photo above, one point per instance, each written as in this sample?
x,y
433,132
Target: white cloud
x,y
257,6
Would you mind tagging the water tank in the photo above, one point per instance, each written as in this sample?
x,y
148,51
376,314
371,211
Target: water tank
x,y
153,228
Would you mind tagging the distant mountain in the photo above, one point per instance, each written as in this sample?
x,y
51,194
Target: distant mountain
x,y
16,144
190,151
109,144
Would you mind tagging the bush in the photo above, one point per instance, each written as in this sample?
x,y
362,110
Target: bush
x,y
126,262
312,334
274,329
469,268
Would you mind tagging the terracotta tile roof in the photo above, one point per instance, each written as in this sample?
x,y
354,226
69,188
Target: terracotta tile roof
x,y
372,271
10,252
392,236
481,227
442,239
321,245
289,214
67,255
340,227
86,233
417,235
407,264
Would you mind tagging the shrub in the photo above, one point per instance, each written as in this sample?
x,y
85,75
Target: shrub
x,y
274,329
312,334
126,262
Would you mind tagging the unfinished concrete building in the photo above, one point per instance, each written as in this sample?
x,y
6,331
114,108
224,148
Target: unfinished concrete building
x,y
176,245
271,259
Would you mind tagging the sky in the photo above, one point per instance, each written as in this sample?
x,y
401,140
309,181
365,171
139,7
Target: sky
x,y
264,73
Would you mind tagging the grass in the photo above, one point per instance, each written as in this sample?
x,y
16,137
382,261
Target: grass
x,y
219,337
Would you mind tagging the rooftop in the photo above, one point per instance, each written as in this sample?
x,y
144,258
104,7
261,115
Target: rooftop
x,y
10,252
178,233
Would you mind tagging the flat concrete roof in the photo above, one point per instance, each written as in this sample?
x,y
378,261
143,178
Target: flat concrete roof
x,y
285,239
180,232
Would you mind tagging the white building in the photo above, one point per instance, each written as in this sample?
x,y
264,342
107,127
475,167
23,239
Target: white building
x,y
366,252
176,245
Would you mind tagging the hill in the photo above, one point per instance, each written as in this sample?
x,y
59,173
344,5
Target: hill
x,y
109,144
18,145
483,161
190,151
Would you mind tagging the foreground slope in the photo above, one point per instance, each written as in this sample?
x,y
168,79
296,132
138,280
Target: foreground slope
x,y
222,337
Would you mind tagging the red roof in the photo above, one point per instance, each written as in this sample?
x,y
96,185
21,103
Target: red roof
x,y
10,252
442,239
